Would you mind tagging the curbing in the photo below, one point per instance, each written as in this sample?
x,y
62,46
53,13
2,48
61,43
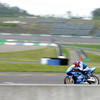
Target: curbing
x,y
28,44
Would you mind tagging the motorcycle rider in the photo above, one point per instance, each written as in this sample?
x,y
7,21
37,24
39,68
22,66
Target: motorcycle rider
x,y
78,66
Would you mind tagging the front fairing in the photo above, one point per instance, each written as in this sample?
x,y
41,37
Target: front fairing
x,y
92,70
80,78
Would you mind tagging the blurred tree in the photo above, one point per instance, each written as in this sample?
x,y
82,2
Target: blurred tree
x,y
96,13
7,11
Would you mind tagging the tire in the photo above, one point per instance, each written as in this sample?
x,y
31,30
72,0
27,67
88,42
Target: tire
x,y
67,81
97,81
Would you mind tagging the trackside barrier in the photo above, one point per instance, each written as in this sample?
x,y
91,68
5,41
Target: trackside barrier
x,y
49,92
55,61
60,51
60,60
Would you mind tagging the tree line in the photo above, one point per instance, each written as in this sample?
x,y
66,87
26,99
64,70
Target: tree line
x,y
96,13
7,11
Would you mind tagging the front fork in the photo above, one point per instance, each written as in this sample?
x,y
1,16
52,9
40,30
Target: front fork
x,y
71,78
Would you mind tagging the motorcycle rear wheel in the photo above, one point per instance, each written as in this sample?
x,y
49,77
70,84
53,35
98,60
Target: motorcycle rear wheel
x,y
96,82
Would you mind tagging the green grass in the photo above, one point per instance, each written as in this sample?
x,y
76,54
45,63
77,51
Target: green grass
x,y
66,52
93,64
86,46
97,70
93,58
29,55
13,67
8,24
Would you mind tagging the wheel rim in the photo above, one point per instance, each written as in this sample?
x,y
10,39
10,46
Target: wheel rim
x,y
67,81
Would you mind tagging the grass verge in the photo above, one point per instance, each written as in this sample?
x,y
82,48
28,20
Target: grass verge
x,y
13,67
96,46
93,58
66,52
28,55
8,24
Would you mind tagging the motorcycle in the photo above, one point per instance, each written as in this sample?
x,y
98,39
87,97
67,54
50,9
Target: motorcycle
x,y
79,78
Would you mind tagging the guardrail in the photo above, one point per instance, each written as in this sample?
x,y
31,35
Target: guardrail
x,y
48,35
49,92
60,52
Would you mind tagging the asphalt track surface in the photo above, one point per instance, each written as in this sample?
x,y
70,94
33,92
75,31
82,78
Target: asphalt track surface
x,y
31,78
13,48
53,39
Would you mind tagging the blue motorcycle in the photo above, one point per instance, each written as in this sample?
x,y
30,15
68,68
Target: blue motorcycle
x,y
78,77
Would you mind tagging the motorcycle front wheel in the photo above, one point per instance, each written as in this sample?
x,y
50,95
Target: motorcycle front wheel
x,y
68,81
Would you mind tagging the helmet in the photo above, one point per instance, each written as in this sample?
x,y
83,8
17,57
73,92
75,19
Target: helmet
x,y
76,63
